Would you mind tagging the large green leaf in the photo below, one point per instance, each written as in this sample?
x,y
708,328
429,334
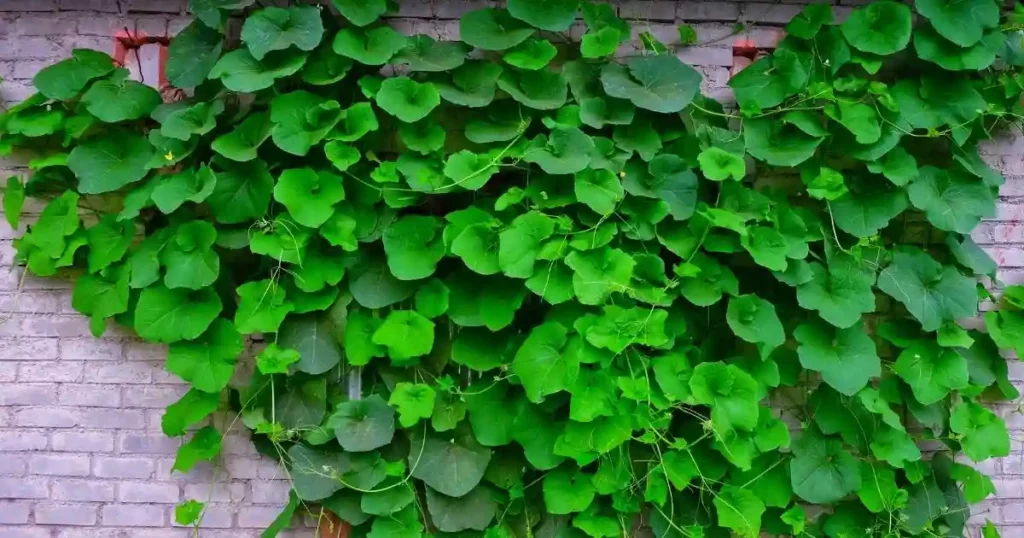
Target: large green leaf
x,y
371,47
275,28
108,163
933,293
661,83
363,425
361,12
314,337
952,200
239,71
168,315
729,391
407,99
119,98
823,471
963,23
931,371
550,15
879,28
846,357
207,362
492,29
452,467
840,294
542,366
66,79
754,320
192,54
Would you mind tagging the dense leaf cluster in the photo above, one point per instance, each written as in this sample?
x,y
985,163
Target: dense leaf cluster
x,y
527,287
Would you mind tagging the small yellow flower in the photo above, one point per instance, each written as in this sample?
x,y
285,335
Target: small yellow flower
x,y
622,173
169,156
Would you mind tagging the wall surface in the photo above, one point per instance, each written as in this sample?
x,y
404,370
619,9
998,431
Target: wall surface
x,y
81,451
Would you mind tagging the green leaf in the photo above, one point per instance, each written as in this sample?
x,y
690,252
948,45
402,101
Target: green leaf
x,y
897,166
881,28
423,53
600,190
393,498
542,89
109,241
861,120
313,336
542,366
970,255
739,510
261,308
241,193
520,243
309,195
413,402
363,425
361,12
301,120
14,200
962,23
474,510
275,28
983,434
840,294
470,170
181,120
931,371
618,328
933,293
729,391
101,296
567,491
414,246
356,121
207,362
171,191
767,246
674,182
845,357
934,48
203,446
492,29
866,212
823,471
550,15
406,334
600,272
284,518
406,99
809,21
118,98
451,467
239,71
242,143
168,315
422,137
566,151
192,54
661,83
754,320
66,79
471,85
952,200
718,164
276,360
600,43
531,54
375,46
189,512
770,80
314,472
776,143
106,164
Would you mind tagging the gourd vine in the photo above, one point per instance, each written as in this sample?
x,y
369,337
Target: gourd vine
x,y
532,283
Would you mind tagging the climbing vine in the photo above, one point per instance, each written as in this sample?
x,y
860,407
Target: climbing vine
x,y
527,285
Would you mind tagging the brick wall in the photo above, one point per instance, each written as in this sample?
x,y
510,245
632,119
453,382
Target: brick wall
x,y
81,451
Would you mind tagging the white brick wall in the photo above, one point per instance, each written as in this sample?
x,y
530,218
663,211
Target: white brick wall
x,y
81,451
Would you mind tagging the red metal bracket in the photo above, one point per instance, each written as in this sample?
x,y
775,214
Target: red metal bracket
x,y
125,40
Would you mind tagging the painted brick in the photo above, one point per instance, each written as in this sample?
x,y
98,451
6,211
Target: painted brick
x,y
29,394
112,418
53,417
216,492
28,349
22,440
133,515
134,373
24,488
11,465
148,492
122,467
59,371
152,397
59,465
92,441
14,512
89,395
64,489
91,349
24,532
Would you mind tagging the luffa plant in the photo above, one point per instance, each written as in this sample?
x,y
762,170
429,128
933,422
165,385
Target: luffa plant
x,y
529,286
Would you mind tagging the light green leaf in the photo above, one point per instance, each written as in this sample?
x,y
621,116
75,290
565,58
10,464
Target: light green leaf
x,y
275,28
309,195
375,46
952,200
118,98
879,28
933,293
107,163
363,425
541,365
492,29
661,82
846,357
207,362
406,99
754,320
66,79
962,23
168,315
413,401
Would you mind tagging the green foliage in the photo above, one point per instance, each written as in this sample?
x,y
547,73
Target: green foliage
x,y
525,288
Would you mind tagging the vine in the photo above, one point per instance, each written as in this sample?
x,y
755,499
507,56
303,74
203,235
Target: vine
x,y
527,287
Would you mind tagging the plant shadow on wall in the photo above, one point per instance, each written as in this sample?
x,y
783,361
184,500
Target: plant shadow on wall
x,y
525,287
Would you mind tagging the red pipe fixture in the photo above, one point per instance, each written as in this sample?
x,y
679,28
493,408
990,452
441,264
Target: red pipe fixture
x,y
125,40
